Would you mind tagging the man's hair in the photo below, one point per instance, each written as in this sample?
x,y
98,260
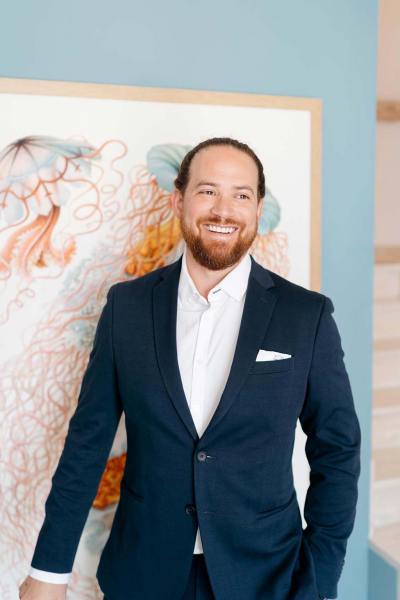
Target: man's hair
x,y
182,179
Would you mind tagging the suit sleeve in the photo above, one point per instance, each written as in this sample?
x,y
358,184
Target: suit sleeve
x,y
330,422
86,449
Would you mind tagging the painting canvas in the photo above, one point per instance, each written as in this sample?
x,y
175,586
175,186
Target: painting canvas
x,y
86,174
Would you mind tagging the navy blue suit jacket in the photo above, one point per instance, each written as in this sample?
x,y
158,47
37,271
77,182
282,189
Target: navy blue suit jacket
x,y
236,480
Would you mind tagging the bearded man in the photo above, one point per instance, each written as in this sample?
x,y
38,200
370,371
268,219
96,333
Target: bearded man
x,y
213,359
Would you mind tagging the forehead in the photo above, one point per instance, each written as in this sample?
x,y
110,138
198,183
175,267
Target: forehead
x,y
222,162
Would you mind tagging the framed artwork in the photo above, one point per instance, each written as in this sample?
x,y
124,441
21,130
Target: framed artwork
x,y
86,174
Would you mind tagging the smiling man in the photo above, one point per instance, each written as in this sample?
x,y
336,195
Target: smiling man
x,y
213,359
223,203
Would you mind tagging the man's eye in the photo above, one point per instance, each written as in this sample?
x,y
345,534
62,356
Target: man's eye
x,y
206,191
244,195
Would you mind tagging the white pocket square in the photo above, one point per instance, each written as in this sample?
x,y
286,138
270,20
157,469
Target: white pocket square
x,y
271,355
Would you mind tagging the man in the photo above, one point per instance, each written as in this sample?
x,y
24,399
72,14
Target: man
x,y
208,508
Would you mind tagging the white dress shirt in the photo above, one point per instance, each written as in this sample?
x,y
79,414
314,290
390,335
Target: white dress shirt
x,y
206,336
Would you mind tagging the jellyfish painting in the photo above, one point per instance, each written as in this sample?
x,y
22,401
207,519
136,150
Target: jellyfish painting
x,y
36,173
53,190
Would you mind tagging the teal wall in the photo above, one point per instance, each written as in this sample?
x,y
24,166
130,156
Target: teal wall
x,y
318,48
382,578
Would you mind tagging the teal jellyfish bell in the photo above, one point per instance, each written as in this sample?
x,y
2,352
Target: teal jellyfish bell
x,y
164,160
271,214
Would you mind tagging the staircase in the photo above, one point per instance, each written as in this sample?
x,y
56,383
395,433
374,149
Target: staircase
x,y
385,465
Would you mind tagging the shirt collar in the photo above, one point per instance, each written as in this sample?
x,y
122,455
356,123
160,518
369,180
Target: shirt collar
x,y
234,283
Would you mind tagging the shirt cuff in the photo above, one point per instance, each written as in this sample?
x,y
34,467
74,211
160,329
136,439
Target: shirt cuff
x,y
49,577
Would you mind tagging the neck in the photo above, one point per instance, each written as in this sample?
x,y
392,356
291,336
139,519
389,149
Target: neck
x,y
203,278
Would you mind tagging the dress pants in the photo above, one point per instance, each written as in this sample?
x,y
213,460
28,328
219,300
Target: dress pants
x,y
198,586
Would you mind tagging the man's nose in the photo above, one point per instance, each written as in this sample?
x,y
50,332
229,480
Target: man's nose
x,y
222,206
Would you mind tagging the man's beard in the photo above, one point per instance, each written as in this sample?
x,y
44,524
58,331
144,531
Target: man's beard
x,y
218,255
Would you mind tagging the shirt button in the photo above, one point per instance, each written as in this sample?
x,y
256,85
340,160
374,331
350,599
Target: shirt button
x,y
201,456
190,509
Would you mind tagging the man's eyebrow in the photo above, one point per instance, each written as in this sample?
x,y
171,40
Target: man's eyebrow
x,y
243,187
236,187
206,183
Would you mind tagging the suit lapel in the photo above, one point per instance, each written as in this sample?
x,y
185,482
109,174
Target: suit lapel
x,y
257,312
165,300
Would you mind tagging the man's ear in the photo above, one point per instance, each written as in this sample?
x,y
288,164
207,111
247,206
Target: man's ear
x,y
176,202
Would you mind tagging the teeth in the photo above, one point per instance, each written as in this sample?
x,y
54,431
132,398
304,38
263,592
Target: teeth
x,y
218,229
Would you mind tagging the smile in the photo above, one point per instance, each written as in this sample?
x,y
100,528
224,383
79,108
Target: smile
x,y
219,229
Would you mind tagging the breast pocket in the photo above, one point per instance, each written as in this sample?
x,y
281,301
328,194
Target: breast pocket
x,y
272,366
270,396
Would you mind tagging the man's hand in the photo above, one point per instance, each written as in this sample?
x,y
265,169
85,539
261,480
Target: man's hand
x,y
33,589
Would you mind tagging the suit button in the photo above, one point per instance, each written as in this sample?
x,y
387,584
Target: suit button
x,y
201,456
190,509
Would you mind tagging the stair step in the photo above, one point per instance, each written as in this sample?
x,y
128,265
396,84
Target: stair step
x,y
386,396
386,463
385,502
386,369
386,428
386,320
386,281
386,344
387,538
